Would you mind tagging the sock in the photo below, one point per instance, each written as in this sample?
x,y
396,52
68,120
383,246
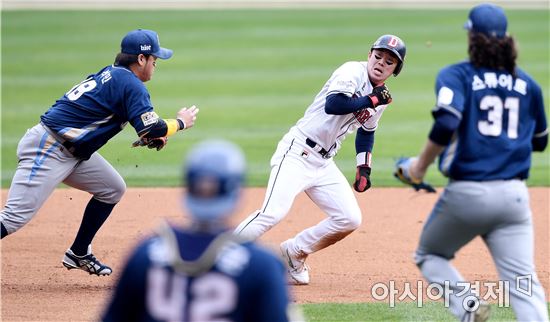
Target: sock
x,y
4,230
94,216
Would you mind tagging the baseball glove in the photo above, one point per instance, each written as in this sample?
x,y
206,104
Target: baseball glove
x,y
152,143
402,173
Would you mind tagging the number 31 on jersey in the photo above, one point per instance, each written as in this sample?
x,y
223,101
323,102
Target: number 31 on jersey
x,y
495,107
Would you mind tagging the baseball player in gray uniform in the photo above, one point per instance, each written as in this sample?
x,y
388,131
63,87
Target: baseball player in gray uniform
x,y
353,98
489,117
62,147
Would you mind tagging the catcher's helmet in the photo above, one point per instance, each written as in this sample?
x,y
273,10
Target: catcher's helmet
x,y
395,45
214,173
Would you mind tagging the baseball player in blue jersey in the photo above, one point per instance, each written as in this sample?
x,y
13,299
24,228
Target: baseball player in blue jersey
x,y
62,147
203,272
489,117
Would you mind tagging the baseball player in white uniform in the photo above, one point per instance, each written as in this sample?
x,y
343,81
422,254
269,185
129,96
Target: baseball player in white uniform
x,y
354,98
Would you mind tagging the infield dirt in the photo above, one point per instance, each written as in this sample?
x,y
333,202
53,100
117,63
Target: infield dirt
x,y
36,287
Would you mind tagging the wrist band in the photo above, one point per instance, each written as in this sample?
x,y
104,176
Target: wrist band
x,y
172,125
364,158
181,124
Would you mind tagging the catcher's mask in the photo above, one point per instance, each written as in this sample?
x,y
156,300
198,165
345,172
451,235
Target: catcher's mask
x,y
214,173
396,46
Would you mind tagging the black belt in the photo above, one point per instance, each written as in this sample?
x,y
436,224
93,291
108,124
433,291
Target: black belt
x,y
319,149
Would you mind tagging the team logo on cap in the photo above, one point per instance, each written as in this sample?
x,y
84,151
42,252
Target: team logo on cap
x,y
145,47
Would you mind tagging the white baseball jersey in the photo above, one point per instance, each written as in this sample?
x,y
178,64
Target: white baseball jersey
x,y
329,130
298,167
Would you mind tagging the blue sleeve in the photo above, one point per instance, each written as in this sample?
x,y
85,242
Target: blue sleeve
x,y
341,104
139,108
444,127
156,130
127,302
540,137
364,140
450,91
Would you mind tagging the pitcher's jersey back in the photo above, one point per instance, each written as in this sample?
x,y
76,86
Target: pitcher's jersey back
x,y
329,130
499,115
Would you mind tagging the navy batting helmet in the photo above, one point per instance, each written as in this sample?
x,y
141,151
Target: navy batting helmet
x,y
396,46
214,172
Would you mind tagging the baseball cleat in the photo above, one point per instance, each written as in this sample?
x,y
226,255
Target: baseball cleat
x,y
480,315
298,271
86,263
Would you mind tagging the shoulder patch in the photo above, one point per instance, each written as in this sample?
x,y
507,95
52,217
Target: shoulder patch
x,y
149,118
445,96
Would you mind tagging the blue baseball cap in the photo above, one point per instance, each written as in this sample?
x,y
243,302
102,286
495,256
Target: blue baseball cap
x,y
143,41
488,19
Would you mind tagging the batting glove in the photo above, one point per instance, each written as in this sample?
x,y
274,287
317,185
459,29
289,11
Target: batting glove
x,y
380,95
362,178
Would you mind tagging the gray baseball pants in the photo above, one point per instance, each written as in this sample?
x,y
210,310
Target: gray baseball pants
x,y
43,164
499,212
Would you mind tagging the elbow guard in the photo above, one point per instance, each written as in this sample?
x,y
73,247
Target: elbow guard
x,y
444,128
163,128
540,142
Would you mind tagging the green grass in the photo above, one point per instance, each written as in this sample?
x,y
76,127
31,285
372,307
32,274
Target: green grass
x,y
362,312
252,72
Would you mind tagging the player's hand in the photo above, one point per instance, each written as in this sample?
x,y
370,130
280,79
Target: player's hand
x,y
380,95
403,174
362,178
188,116
152,143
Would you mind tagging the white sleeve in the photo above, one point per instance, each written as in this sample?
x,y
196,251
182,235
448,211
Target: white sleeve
x,y
346,79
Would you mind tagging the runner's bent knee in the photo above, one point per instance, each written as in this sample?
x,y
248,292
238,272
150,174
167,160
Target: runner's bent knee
x,y
348,223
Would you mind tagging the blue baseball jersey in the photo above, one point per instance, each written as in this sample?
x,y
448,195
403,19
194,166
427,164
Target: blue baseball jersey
x,y
243,282
499,116
98,108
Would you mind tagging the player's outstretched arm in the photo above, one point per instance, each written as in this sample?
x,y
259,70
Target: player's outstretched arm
x,y
188,116
425,159
156,137
411,171
341,104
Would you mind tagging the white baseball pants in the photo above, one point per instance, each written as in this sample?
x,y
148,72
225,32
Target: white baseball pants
x,y
295,167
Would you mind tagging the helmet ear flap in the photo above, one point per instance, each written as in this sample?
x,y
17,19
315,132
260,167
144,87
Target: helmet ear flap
x,y
398,68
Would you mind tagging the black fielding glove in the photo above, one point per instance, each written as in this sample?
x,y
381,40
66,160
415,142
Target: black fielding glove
x,y
152,143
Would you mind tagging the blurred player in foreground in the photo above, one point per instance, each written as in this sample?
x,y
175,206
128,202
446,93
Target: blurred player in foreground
x,y
203,272
489,117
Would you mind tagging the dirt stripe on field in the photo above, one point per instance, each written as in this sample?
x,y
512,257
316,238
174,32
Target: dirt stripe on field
x,y
35,286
